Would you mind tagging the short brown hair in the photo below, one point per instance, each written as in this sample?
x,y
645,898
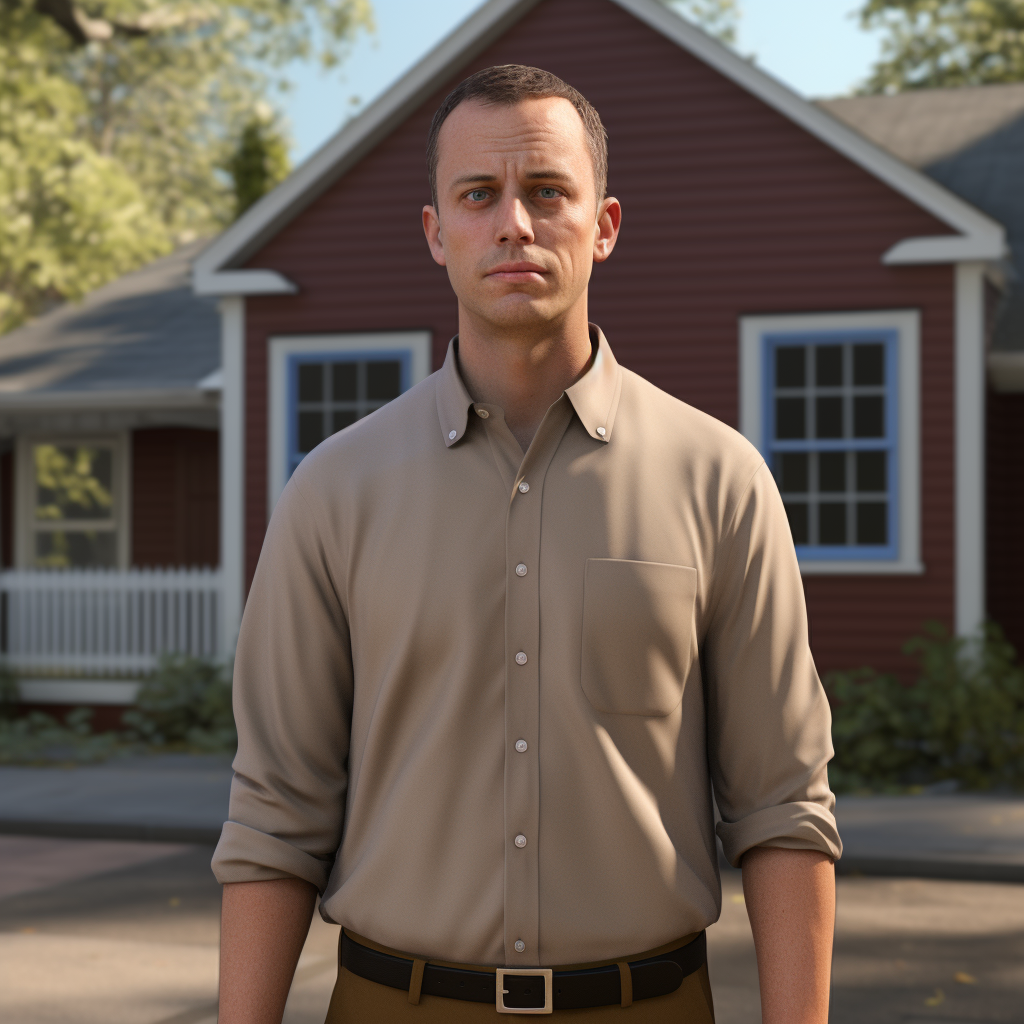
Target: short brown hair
x,y
508,84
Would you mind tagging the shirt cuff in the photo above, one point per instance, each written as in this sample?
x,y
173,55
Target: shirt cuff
x,y
247,855
804,825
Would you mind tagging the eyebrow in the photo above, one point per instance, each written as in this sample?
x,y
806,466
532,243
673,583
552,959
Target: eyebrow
x,y
481,177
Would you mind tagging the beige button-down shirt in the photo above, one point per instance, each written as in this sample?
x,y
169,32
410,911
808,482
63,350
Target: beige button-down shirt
x,y
483,698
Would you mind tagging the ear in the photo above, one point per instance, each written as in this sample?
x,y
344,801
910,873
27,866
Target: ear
x,y
432,229
606,230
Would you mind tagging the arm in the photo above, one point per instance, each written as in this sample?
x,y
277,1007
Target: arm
x,y
791,901
263,927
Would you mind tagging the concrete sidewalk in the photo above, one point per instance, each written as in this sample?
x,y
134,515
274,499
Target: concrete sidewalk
x,y
183,798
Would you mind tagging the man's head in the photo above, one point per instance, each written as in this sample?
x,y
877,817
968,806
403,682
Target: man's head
x,y
518,163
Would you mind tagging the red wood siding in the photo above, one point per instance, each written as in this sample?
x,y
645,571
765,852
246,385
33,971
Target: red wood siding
x,y
175,497
1005,514
729,209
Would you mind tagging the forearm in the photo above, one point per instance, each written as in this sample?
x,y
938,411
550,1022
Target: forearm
x,y
791,898
263,928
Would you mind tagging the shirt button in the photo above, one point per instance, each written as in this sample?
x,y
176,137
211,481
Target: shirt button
x,y
601,431
482,413
524,487
521,658
452,434
521,746
520,946
520,841
520,569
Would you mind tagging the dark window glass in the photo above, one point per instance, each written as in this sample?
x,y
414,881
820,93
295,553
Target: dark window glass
x,y
344,382
828,366
76,549
383,380
311,430
311,382
829,417
792,470
832,471
789,418
831,523
871,522
789,367
342,419
869,416
868,365
871,471
797,513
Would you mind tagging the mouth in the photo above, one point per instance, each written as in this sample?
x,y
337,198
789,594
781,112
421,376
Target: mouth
x,y
517,273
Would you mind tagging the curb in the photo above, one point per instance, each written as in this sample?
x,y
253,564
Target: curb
x,y
112,830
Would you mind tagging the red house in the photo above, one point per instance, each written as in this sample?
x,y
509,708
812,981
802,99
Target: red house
x,y
776,269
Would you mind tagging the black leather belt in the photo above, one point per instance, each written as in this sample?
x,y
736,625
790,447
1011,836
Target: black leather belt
x,y
531,990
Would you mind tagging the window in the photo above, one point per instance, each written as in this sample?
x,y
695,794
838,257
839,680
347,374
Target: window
x,y
71,512
320,385
831,402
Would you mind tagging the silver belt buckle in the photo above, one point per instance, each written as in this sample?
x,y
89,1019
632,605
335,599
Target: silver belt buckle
x,y
541,972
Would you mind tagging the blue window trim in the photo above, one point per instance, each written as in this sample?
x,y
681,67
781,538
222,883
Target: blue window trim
x,y
296,359
890,443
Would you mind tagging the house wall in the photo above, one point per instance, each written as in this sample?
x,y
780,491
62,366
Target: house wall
x,y
1005,513
729,210
7,509
175,497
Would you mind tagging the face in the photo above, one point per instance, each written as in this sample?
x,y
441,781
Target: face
x,y
518,223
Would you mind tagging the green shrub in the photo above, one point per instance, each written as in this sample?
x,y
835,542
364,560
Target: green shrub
x,y
962,719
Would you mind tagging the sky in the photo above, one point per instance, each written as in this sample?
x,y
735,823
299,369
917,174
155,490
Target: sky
x,y
814,46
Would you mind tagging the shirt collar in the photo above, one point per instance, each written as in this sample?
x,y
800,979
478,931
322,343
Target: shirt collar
x,y
595,396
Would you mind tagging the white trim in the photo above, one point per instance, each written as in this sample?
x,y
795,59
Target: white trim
x,y
417,342
907,324
78,691
242,282
232,467
24,490
1006,372
212,382
970,447
943,249
984,236
126,398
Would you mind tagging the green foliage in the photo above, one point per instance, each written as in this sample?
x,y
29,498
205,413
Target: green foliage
x,y
937,43
117,118
37,738
717,17
962,719
259,162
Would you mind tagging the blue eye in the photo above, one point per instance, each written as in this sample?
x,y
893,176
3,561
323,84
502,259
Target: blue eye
x,y
548,193
478,195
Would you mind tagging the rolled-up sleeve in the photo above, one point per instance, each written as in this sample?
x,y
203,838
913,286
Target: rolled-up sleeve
x,y
292,703
769,722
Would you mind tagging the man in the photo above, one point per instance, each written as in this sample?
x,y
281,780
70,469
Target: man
x,y
505,636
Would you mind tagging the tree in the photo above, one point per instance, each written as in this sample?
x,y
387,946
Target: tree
x,y
935,43
717,17
259,162
118,119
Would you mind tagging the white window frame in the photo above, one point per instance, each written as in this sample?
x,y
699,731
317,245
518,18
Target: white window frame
x,y
907,325
25,487
417,343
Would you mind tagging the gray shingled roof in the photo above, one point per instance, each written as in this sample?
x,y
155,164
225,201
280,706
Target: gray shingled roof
x,y
972,141
147,331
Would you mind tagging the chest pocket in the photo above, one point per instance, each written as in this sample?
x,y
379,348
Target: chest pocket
x,y
637,635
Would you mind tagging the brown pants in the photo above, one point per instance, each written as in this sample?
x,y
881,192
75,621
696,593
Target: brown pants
x,y
358,1001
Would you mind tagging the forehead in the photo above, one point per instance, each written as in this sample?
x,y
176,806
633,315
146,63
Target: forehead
x,y
535,130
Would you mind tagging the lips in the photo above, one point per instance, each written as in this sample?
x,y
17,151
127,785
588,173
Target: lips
x,y
520,271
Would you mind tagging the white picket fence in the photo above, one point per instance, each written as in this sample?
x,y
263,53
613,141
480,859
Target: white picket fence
x,y
106,621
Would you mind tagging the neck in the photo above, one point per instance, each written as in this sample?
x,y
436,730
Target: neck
x,y
523,371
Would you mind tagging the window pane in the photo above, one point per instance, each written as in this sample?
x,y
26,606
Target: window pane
x,y
789,367
797,513
871,522
832,471
792,471
869,416
831,523
829,417
73,483
828,366
871,475
383,380
311,382
789,418
868,365
311,430
342,419
344,382
76,549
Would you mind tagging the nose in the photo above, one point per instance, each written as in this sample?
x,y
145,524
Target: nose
x,y
514,224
